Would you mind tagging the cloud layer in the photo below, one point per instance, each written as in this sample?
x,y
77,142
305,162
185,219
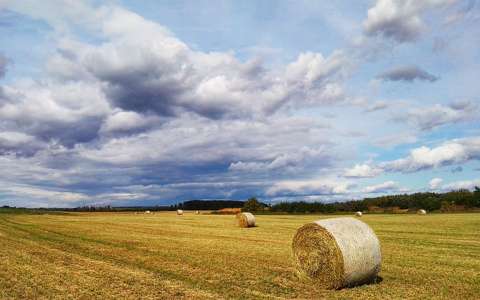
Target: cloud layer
x,y
400,20
123,111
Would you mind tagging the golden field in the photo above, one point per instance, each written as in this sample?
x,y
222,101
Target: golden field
x,y
165,256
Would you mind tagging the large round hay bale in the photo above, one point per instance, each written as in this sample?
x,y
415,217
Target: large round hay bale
x,y
422,212
358,214
337,253
246,219
180,212
147,212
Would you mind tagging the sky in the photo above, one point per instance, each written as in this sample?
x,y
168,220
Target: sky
x,y
129,102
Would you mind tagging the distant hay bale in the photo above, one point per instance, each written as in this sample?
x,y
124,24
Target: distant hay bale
x,y
197,212
246,219
422,212
336,253
147,212
358,214
180,212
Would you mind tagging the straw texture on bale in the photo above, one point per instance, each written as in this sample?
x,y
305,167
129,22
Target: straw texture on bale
x,y
358,214
179,212
246,219
336,253
422,212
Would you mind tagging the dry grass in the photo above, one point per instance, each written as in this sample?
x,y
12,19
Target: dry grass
x,y
128,256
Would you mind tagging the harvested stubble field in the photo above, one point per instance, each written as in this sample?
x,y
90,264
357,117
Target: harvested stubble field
x,y
162,255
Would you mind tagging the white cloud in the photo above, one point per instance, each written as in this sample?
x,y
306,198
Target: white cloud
x,y
243,144
145,68
362,171
435,183
285,162
428,118
126,121
41,195
465,184
455,151
309,187
400,20
385,187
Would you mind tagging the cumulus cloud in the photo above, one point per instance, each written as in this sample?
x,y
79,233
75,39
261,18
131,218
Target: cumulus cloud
x,y
37,196
67,112
465,184
362,171
141,75
156,72
399,20
139,116
127,122
18,143
241,144
141,108
286,162
451,152
435,183
407,73
428,118
385,187
311,187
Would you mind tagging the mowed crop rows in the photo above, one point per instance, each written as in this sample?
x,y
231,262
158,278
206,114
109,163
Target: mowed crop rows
x,y
162,255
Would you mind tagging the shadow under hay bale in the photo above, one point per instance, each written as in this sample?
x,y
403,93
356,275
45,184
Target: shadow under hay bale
x,y
246,220
337,253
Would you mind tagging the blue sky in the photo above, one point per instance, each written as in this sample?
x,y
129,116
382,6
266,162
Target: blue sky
x,y
154,102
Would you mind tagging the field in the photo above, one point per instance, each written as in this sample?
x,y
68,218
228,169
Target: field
x,y
131,256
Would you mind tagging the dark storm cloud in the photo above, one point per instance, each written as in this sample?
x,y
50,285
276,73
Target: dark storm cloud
x,y
407,73
68,134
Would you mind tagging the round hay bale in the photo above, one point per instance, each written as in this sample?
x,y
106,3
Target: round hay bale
x,y
422,212
180,212
358,214
246,219
336,253
147,212
197,212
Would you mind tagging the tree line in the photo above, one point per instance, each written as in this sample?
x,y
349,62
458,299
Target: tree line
x,y
450,201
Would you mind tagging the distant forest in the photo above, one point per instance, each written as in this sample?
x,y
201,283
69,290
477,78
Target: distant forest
x,y
452,201
460,200
209,204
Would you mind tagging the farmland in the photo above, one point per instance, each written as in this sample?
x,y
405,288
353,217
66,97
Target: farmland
x,y
162,255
